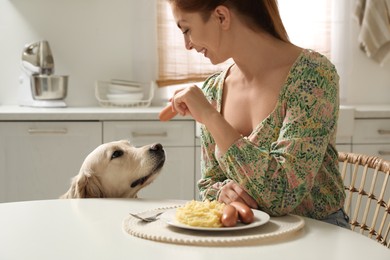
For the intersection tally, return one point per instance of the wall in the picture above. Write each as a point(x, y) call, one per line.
point(101, 39)
point(89, 39)
point(367, 82)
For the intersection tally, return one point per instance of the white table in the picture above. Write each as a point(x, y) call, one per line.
point(92, 229)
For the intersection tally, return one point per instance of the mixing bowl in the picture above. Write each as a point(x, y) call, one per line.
point(49, 87)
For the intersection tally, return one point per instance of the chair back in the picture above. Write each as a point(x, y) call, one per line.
point(367, 185)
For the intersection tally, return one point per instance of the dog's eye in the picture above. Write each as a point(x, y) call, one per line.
point(116, 154)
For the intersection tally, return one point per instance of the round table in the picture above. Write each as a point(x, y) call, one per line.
point(92, 229)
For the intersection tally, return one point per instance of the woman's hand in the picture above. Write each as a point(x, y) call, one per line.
point(233, 192)
point(191, 101)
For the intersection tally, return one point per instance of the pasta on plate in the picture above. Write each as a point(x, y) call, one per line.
point(201, 213)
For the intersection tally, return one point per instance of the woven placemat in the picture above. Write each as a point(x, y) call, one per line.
point(159, 230)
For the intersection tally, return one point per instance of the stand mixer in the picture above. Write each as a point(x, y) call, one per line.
point(38, 86)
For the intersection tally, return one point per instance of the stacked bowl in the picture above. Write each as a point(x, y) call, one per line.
point(122, 92)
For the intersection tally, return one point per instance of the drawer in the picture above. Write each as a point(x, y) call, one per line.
point(382, 151)
point(372, 131)
point(173, 133)
point(344, 147)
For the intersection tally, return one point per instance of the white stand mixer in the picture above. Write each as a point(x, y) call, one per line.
point(38, 87)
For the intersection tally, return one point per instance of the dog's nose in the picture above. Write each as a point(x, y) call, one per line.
point(156, 147)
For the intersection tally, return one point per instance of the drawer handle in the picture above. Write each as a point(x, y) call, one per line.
point(384, 153)
point(47, 131)
point(138, 134)
point(383, 132)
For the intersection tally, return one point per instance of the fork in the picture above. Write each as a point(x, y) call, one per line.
point(148, 218)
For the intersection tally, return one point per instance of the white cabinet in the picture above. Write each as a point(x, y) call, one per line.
point(344, 148)
point(177, 178)
point(38, 159)
point(372, 137)
point(198, 174)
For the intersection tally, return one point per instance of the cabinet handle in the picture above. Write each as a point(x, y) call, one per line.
point(384, 153)
point(138, 134)
point(33, 131)
point(383, 132)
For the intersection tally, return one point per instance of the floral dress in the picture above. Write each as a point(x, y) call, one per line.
point(288, 164)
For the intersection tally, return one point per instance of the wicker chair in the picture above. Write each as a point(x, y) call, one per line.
point(367, 185)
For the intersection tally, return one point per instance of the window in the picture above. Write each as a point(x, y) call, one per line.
point(310, 24)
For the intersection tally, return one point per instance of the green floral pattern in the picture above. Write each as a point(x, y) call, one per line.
point(289, 162)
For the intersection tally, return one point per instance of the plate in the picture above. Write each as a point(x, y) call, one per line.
point(136, 96)
point(276, 228)
point(125, 99)
point(260, 218)
point(123, 89)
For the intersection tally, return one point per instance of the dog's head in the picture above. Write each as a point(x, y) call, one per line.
point(117, 170)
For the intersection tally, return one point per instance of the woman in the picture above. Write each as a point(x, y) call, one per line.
point(269, 120)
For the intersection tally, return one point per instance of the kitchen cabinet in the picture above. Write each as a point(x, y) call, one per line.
point(344, 147)
point(197, 171)
point(38, 159)
point(372, 137)
point(177, 178)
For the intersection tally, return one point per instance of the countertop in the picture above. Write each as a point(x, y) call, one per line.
point(18, 113)
point(372, 111)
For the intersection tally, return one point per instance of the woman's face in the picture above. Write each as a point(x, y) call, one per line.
point(204, 37)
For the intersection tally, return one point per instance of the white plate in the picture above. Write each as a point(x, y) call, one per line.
point(260, 219)
point(125, 99)
point(125, 82)
point(123, 89)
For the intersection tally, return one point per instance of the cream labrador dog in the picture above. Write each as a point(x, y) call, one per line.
point(117, 170)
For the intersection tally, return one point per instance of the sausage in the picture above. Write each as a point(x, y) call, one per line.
point(245, 213)
point(167, 113)
point(229, 216)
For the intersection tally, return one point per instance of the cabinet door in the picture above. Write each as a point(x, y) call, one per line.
point(176, 180)
point(372, 131)
point(38, 159)
point(172, 134)
point(198, 174)
point(380, 150)
point(344, 148)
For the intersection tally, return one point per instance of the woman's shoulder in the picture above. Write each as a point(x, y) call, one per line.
point(313, 59)
point(314, 65)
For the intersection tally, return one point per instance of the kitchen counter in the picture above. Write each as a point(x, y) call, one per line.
point(372, 111)
point(18, 113)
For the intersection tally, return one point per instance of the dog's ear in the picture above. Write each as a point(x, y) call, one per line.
point(92, 187)
point(84, 185)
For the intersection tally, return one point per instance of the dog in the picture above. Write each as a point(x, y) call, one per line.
point(117, 170)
